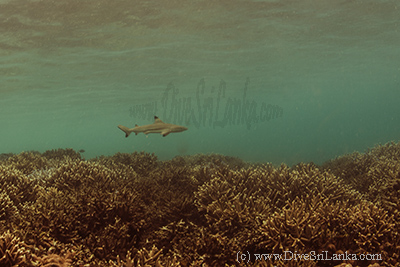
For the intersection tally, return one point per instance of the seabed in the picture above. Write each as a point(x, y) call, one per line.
point(58, 209)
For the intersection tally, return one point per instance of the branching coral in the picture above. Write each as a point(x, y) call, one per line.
point(146, 258)
point(297, 226)
point(8, 211)
point(377, 175)
point(27, 162)
point(233, 201)
point(132, 210)
point(196, 245)
point(86, 203)
point(5, 156)
point(373, 229)
point(141, 163)
point(355, 168)
point(210, 160)
point(60, 154)
point(53, 260)
point(12, 251)
point(238, 198)
point(316, 225)
point(16, 185)
point(285, 184)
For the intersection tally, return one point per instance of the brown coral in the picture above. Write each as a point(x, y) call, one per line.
point(12, 251)
point(87, 204)
point(17, 185)
point(145, 258)
point(53, 260)
point(140, 162)
point(132, 210)
point(60, 154)
point(27, 162)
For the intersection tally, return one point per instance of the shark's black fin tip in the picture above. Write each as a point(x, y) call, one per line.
point(155, 117)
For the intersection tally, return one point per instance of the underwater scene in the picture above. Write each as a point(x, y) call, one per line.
point(199, 133)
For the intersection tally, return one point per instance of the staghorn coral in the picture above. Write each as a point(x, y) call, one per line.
point(169, 193)
point(296, 227)
point(209, 160)
point(17, 185)
point(376, 174)
point(27, 162)
point(351, 168)
point(288, 263)
point(60, 154)
point(12, 251)
point(196, 245)
point(317, 225)
point(198, 210)
point(145, 258)
point(8, 211)
point(5, 156)
point(234, 199)
point(385, 187)
point(87, 204)
point(305, 180)
point(373, 230)
point(237, 205)
point(354, 169)
point(53, 260)
point(389, 150)
point(141, 163)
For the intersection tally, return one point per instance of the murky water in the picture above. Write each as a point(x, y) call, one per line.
point(71, 71)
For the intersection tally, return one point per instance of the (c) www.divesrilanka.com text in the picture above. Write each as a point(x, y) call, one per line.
point(314, 256)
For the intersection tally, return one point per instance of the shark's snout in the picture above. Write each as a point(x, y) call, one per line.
point(179, 129)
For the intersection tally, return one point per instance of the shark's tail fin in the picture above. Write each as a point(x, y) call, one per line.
point(125, 129)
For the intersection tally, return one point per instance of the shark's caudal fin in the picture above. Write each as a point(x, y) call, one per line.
point(125, 129)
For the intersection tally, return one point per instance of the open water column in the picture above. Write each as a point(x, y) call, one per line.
point(267, 133)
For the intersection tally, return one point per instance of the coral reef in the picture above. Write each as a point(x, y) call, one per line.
point(85, 203)
point(210, 160)
point(27, 162)
point(53, 260)
point(138, 162)
point(17, 185)
point(145, 258)
point(60, 154)
point(4, 156)
point(58, 209)
point(12, 250)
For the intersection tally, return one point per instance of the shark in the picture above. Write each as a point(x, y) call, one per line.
point(157, 127)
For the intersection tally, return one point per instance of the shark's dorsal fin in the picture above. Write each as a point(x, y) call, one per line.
point(157, 120)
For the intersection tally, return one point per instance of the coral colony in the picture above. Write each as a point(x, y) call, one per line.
point(57, 209)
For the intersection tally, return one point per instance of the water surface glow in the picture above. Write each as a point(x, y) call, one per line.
point(71, 70)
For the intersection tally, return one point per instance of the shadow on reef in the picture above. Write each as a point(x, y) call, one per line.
point(57, 209)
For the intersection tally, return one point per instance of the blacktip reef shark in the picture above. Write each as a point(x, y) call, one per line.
point(157, 127)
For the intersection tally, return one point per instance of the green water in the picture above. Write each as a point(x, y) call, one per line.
point(71, 71)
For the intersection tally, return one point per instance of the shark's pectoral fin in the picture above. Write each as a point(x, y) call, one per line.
point(165, 133)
